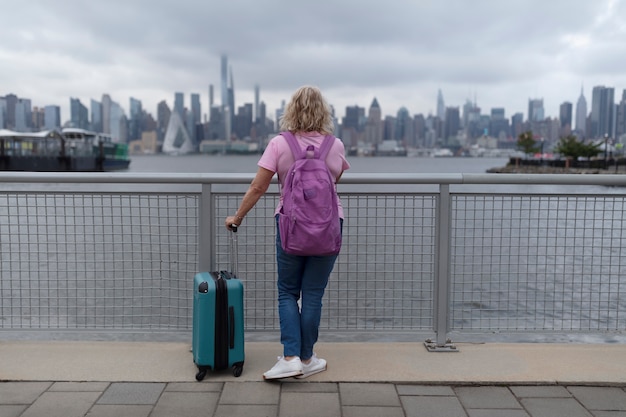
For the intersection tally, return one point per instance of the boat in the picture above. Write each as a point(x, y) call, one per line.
point(68, 149)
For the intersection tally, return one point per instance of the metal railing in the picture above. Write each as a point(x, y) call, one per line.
point(424, 256)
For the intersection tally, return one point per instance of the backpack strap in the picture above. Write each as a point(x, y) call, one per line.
point(293, 144)
point(329, 140)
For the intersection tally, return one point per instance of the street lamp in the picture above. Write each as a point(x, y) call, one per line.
point(542, 140)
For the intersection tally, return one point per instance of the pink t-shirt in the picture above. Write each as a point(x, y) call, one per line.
point(278, 157)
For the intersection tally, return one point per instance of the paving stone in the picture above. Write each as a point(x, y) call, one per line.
point(487, 397)
point(11, 410)
point(232, 410)
point(21, 392)
point(119, 410)
point(609, 413)
point(497, 413)
point(428, 390)
point(137, 393)
point(415, 406)
point(540, 392)
point(310, 404)
point(194, 387)
point(356, 411)
point(600, 398)
point(369, 394)
point(554, 407)
point(250, 393)
point(62, 404)
point(186, 404)
point(311, 387)
point(79, 386)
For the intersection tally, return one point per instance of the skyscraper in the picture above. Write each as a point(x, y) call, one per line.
point(136, 117)
point(374, 126)
point(565, 118)
point(224, 80)
point(620, 118)
point(602, 112)
point(179, 104)
point(452, 124)
point(535, 110)
point(256, 103)
point(79, 115)
point(106, 113)
point(52, 117)
point(441, 107)
point(96, 116)
point(3, 112)
point(581, 115)
point(194, 118)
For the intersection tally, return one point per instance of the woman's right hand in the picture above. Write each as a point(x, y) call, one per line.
point(232, 221)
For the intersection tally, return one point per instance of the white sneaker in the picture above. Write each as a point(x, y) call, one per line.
point(316, 365)
point(284, 369)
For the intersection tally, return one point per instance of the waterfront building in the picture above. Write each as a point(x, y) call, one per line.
point(106, 113)
point(3, 112)
point(96, 116)
point(451, 126)
point(498, 124)
point(565, 117)
point(52, 117)
point(163, 119)
point(10, 101)
point(517, 125)
point(177, 140)
point(23, 115)
point(79, 115)
point(194, 119)
point(602, 112)
point(135, 125)
point(620, 121)
point(179, 104)
point(581, 115)
point(441, 107)
point(374, 125)
point(535, 110)
point(404, 128)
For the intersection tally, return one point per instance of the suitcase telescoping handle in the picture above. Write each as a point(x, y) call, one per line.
point(233, 251)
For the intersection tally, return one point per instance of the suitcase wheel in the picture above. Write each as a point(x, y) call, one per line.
point(201, 373)
point(237, 370)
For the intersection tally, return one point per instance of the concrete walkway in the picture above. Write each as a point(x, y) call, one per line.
point(363, 379)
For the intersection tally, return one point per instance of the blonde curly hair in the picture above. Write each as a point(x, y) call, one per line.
point(308, 111)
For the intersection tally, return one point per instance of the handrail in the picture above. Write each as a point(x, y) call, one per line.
point(374, 178)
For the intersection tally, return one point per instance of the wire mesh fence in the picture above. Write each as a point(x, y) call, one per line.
point(124, 260)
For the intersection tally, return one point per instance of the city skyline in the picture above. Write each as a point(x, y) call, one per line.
point(502, 54)
point(180, 100)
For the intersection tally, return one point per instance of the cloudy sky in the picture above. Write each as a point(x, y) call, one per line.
point(400, 51)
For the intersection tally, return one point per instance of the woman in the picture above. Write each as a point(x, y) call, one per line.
point(309, 118)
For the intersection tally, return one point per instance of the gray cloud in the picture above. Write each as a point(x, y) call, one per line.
point(401, 51)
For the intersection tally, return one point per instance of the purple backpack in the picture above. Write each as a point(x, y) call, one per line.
point(309, 218)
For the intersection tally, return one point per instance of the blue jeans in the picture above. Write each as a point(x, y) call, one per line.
point(306, 277)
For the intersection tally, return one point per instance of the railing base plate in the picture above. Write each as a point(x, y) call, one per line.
point(434, 347)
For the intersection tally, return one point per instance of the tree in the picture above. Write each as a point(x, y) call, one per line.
point(571, 147)
point(527, 143)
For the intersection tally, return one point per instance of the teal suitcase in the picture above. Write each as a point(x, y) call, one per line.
point(218, 322)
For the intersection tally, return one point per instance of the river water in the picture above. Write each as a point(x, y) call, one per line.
point(247, 163)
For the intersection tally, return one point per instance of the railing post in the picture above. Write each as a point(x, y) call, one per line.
point(206, 244)
point(442, 275)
